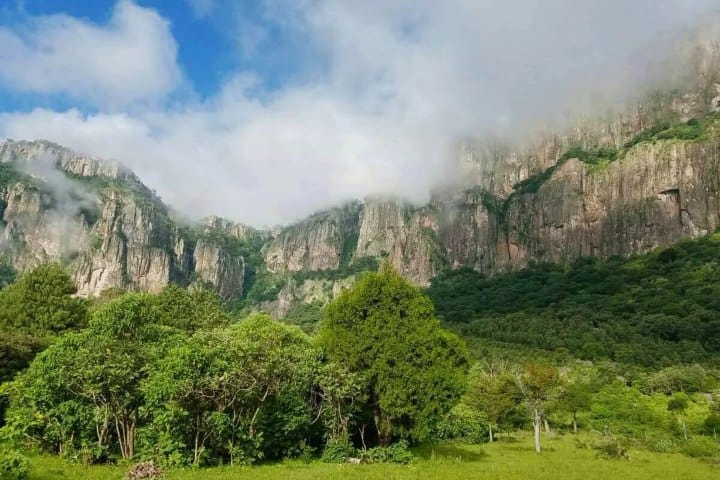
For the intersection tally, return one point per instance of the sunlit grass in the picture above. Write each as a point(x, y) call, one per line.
point(561, 460)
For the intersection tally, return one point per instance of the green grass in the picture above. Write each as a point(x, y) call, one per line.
point(504, 460)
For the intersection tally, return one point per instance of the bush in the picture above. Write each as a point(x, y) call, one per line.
point(396, 453)
point(663, 445)
point(462, 423)
point(698, 447)
point(13, 466)
point(338, 451)
point(612, 448)
point(711, 425)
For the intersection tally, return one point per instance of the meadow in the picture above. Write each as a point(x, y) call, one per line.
point(564, 458)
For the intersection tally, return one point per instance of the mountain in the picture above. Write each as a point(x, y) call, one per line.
point(112, 231)
point(611, 184)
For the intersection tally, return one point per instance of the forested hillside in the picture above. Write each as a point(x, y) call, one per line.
point(651, 310)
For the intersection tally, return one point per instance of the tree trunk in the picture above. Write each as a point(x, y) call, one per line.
point(537, 423)
point(575, 423)
point(491, 432)
point(682, 422)
point(384, 428)
point(198, 446)
point(547, 425)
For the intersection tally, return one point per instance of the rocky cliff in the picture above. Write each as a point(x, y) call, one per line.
point(100, 220)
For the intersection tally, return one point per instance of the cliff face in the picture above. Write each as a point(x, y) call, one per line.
point(403, 234)
point(100, 220)
point(320, 242)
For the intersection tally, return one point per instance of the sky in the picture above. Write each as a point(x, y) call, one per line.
point(264, 111)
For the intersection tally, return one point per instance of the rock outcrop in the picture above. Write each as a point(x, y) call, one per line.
point(321, 242)
point(100, 220)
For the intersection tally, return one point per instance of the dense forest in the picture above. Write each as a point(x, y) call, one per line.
point(652, 310)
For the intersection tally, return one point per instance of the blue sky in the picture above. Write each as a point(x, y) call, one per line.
point(208, 34)
point(264, 111)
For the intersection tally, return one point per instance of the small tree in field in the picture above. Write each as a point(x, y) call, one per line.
point(576, 394)
point(413, 371)
point(536, 384)
point(677, 404)
point(491, 390)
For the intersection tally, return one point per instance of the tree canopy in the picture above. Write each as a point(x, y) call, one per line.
point(414, 371)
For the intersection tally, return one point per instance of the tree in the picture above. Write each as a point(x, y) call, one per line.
point(575, 395)
point(384, 329)
point(217, 391)
point(33, 310)
point(677, 404)
point(491, 391)
point(536, 383)
point(41, 302)
point(340, 399)
point(86, 386)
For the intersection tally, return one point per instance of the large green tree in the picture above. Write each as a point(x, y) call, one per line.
point(85, 388)
point(414, 371)
point(33, 310)
point(41, 302)
point(237, 393)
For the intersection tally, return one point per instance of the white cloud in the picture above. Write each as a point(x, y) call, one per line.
point(400, 83)
point(130, 59)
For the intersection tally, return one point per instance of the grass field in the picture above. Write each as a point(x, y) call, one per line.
point(500, 461)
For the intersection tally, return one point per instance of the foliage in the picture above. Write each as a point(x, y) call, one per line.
point(13, 465)
point(265, 287)
point(307, 316)
point(711, 425)
point(492, 390)
point(398, 452)
point(41, 302)
point(190, 310)
point(657, 309)
point(341, 398)
point(576, 392)
point(338, 450)
point(463, 423)
point(33, 310)
point(698, 447)
point(384, 329)
point(354, 267)
point(612, 448)
point(236, 393)
point(85, 388)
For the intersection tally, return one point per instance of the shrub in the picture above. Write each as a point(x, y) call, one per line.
point(711, 425)
point(697, 447)
point(338, 451)
point(13, 466)
point(612, 448)
point(462, 423)
point(396, 453)
point(663, 445)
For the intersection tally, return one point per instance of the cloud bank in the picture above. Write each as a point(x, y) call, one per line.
point(391, 87)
